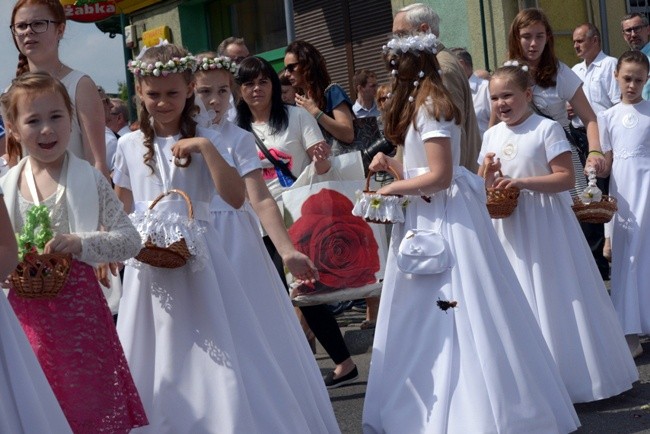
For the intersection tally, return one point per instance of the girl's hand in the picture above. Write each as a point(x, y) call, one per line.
point(301, 267)
point(388, 188)
point(102, 270)
point(380, 163)
point(308, 104)
point(489, 167)
point(184, 147)
point(64, 243)
point(599, 164)
point(506, 182)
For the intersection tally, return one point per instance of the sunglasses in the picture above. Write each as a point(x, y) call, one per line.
point(382, 98)
point(291, 67)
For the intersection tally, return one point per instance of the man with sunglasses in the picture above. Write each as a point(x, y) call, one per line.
point(637, 34)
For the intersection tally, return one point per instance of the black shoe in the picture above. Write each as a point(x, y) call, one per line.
point(332, 383)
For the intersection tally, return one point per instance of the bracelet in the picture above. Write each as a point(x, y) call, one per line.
point(319, 114)
point(596, 152)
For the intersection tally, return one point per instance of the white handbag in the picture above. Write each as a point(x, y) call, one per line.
point(423, 251)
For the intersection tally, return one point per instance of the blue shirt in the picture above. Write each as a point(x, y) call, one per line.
point(362, 112)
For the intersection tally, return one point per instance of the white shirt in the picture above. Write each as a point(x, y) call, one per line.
point(124, 130)
point(362, 112)
point(481, 99)
point(111, 146)
point(598, 84)
point(552, 100)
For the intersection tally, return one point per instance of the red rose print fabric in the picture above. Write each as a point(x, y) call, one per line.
point(342, 246)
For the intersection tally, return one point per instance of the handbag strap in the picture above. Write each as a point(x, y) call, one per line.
point(277, 163)
point(417, 215)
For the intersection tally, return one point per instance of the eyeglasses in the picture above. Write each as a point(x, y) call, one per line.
point(38, 26)
point(382, 98)
point(291, 67)
point(635, 29)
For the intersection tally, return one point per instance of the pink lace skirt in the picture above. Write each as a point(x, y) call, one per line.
point(76, 343)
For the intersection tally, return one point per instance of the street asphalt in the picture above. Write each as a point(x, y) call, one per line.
point(626, 413)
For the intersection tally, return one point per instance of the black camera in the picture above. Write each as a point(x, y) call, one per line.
point(382, 144)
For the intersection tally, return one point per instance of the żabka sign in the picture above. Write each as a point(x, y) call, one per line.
point(88, 11)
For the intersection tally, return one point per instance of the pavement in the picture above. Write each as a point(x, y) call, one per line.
point(626, 413)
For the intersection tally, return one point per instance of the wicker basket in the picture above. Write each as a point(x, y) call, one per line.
point(369, 196)
point(595, 212)
point(176, 254)
point(501, 202)
point(41, 276)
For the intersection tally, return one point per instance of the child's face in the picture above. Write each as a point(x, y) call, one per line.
point(288, 94)
point(509, 101)
point(631, 78)
point(213, 87)
point(164, 98)
point(43, 126)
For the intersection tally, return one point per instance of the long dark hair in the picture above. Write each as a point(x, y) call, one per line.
point(313, 68)
point(250, 69)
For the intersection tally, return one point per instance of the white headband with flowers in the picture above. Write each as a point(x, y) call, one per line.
point(157, 69)
point(219, 62)
point(413, 43)
point(515, 64)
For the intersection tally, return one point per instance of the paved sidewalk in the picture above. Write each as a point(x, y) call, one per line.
point(627, 413)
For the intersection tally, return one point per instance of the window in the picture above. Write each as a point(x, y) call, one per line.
point(260, 22)
point(639, 7)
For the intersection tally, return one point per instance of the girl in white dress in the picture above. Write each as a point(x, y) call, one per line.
point(28, 405)
point(545, 247)
point(198, 353)
point(239, 229)
point(624, 130)
point(458, 351)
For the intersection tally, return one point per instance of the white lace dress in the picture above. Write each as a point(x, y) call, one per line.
point(200, 355)
point(624, 129)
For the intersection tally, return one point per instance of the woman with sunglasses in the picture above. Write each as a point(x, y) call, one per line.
point(37, 27)
point(326, 102)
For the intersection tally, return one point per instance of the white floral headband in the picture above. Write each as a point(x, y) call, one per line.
point(413, 43)
point(157, 69)
point(515, 64)
point(219, 62)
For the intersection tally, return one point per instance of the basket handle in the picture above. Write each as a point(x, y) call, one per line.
point(190, 208)
point(370, 173)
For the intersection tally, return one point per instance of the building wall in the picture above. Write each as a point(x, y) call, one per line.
point(162, 14)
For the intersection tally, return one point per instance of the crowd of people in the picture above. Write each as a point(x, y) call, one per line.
point(509, 321)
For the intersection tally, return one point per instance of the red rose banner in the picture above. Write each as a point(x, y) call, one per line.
point(348, 252)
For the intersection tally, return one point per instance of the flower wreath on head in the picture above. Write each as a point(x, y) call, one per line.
point(158, 69)
point(413, 43)
point(219, 62)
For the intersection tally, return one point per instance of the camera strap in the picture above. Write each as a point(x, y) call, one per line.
point(281, 165)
